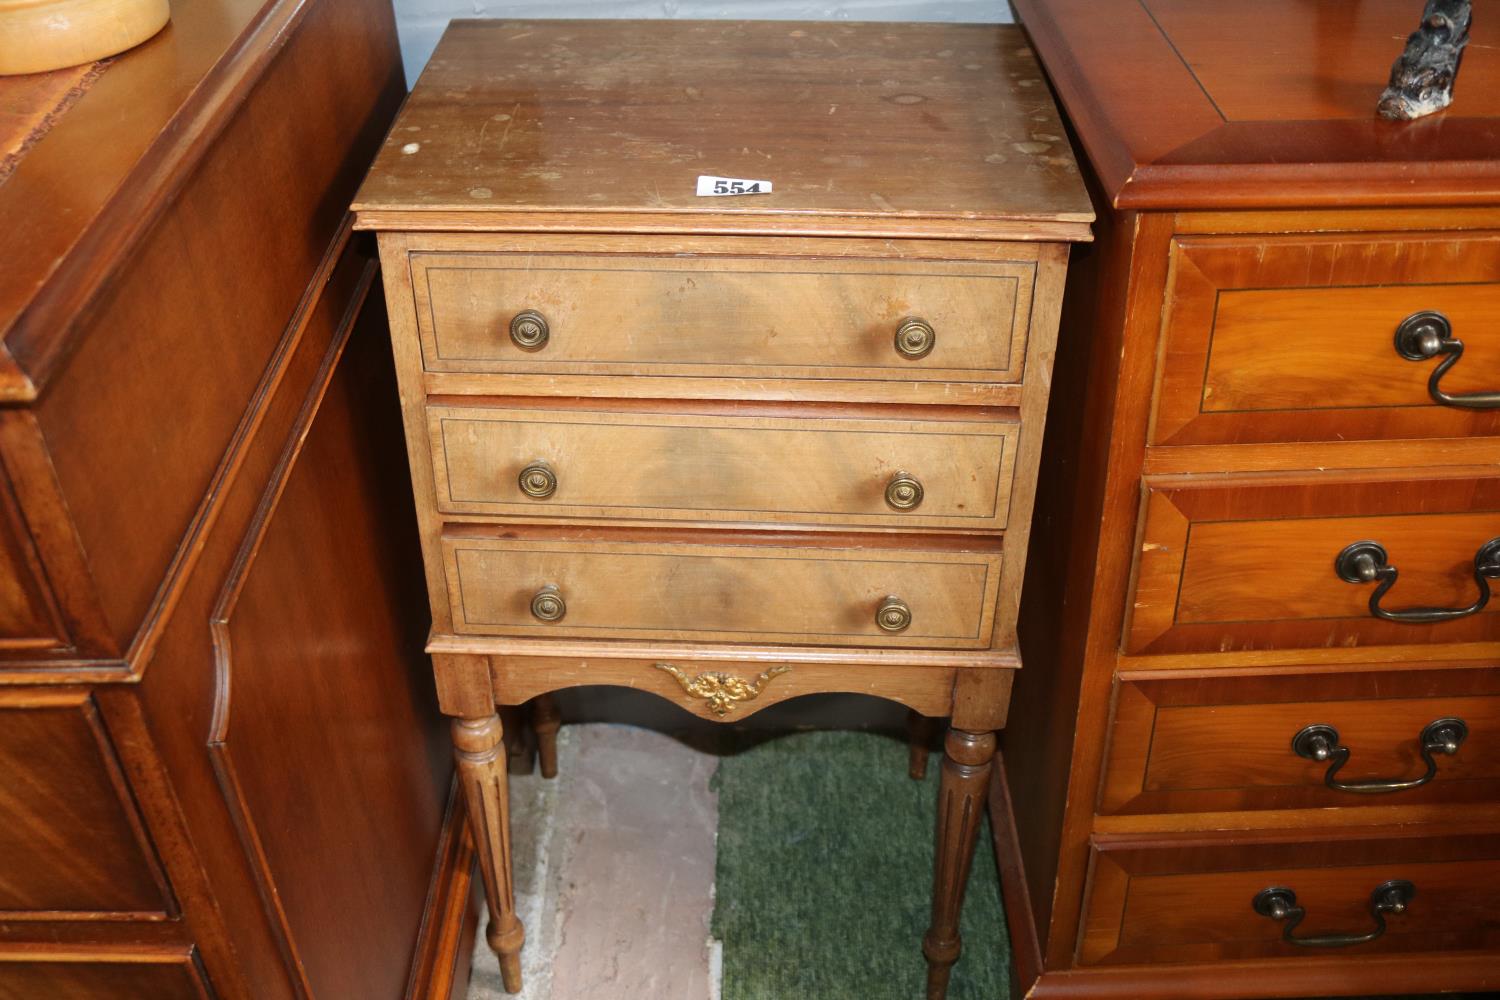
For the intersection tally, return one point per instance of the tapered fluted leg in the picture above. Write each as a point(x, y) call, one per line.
point(961, 796)
point(546, 721)
point(479, 747)
point(919, 737)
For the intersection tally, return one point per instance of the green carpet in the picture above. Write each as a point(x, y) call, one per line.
point(825, 875)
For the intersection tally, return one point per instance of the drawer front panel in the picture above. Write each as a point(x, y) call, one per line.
point(1180, 901)
point(729, 317)
point(692, 592)
point(699, 467)
point(1225, 744)
point(72, 843)
point(1226, 565)
point(107, 975)
point(29, 617)
point(1270, 339)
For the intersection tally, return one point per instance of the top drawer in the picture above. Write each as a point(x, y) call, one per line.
point(1295, 339)
point(722, 317)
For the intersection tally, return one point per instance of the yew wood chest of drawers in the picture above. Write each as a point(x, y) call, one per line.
point(1254, 751)
point(729, 450)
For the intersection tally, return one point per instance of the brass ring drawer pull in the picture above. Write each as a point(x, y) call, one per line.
point(915, 338)
point(904, 492)
point(893, 615)
point(548, 604)
point(529, 330)
point(537, 480)
point(1280, 904)
point(1367, 562)
point(1321, 743)
point(1423, 336)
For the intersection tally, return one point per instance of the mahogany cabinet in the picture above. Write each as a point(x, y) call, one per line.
point(221, 768)
point(1252, 751)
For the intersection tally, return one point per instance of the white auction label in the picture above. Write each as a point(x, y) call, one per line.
point(716, 187)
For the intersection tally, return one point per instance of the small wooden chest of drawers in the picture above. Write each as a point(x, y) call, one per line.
point(1254, 748)
point(727, 450)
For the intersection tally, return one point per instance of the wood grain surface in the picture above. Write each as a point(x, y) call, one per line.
point(889, 127)
point(924, 688)
point(1224, 744)
point(665, 465)
point(1185, 900)
point(1231, 335)
point(1251, 566)
point(1293, 338)
point(180, 285)
point(1222, 105)
point(754, 317)
point(74, 842)
point(702, 592)
point(161, 976)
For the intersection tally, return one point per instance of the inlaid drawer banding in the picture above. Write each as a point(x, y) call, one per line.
point(692, 591)
point(1167, 899)
point(908, 471)
point(1338, 337)
point(620, 314)
point(1304, 741)
point(1238, 563)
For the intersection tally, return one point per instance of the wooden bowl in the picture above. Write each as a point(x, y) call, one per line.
point(38, 35)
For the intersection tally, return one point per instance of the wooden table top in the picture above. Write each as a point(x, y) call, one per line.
point(863, 129)
point(31, 104)
point(1199, 104)
point(83, 190)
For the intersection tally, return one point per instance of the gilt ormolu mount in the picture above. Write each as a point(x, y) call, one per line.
point(1422, 78)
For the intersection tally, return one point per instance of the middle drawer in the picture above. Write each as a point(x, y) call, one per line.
point(646, 465)
point(1369, 558)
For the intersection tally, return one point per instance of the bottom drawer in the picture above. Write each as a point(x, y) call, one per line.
point(813, 592)
point(1194, 899)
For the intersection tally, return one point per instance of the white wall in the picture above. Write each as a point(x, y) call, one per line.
point(422, 21)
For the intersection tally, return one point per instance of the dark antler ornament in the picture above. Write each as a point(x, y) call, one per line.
point(1422, 78)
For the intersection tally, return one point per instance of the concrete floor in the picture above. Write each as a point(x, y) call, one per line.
point(614, 858)
point(614, 863)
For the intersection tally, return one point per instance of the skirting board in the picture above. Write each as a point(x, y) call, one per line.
point(444, 951)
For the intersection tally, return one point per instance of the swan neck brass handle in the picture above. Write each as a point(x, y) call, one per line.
point(547, 605)
point(904, 492)
point(529, 330)
point(1280, 904)
point(1321, 743)
point(1425, 335)
point(893, 615)
point(537, 480)
point(915, 338)
point(1367, 562)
